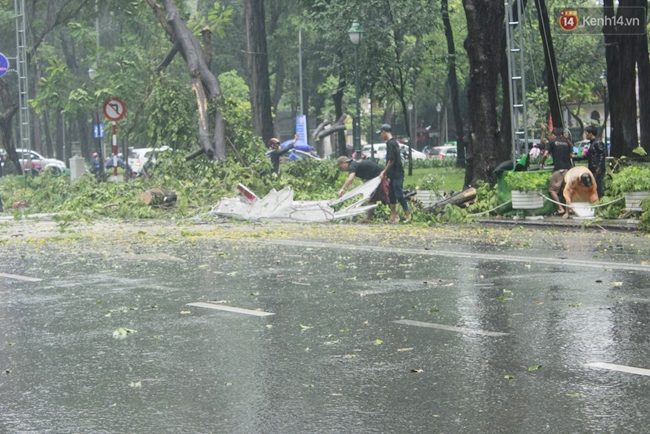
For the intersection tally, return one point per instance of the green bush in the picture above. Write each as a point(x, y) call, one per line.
point(631, 179)
point(527, 180)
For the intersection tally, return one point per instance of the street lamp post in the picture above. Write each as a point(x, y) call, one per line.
point(372, 130)
point(438, 109)
point(603, 81)
point(356, 34)
point(446, 126)
point(92, 73)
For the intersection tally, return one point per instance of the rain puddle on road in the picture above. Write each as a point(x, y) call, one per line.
point(361, 339)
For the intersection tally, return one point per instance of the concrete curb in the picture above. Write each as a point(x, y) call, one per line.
point(558, 222)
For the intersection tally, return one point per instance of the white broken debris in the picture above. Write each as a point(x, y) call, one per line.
point(280, 206)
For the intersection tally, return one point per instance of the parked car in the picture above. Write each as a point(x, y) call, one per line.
point(140, 156)
point(39, 163)
point(443, 152)
point(415, 154)
point(380, 152)
point(366, 151)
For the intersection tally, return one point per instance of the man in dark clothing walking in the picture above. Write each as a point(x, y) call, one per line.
point(394, 170)
point(596, 158)
point(275, 152)
point(366, 170)
point(562, 152)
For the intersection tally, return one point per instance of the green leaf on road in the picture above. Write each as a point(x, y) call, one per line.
point(122, 333)
point(575, 395)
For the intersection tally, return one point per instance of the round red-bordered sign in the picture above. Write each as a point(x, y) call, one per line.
point(114, 109)
point(568, 19)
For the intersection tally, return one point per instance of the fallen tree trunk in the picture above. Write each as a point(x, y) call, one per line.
point(459, 199)
point(194, 154)
point(319, 128)
point(330, 131)
point(337, 126)
point(158, 197)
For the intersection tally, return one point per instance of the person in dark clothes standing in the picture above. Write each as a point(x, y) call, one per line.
point(275, 152)
point(365, 170)
point(394, 171)
point(596, 158)
point(561, 150)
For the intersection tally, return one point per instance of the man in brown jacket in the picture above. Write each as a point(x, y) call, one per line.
point(579, 186)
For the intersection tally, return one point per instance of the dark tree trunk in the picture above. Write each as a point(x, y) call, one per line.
point(620, 52)
point(88, 143)
point(549, 74)
point(61, 138)
point(452, 79)
point(279, 84)
point(258, 69)
point(37, 130)
point(47, 133)
point(504, 148)
point(483, 46)
point(6, 121)
point(337, 96)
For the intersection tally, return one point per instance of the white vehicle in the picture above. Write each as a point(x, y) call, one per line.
point(443, 152)
point(140, 156)
point(415, 154)
point(37, 159)
point(380, 151)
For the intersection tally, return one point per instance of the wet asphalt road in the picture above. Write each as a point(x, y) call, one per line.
point(477, 334)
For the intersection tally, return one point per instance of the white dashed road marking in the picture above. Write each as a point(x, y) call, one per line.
point(620, 368)
point(230, 308)
point(17, 277)
point(463, 330)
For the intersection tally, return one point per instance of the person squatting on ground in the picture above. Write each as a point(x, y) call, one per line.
point(562, 152)
point(365, 170)
point(596, 158)
point(579, 186)
point(394, 171)
point(275, 152)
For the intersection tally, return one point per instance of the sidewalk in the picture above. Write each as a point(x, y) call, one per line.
point(559, 222)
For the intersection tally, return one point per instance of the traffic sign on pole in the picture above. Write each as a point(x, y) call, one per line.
point(4, 64)
point(98, 130)
point(114, 109)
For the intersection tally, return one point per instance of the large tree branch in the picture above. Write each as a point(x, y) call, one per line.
point(168, 59)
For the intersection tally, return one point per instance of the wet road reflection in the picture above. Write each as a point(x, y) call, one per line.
point(361, 340)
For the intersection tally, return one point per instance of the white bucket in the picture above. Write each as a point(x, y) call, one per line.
point(584, 210)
